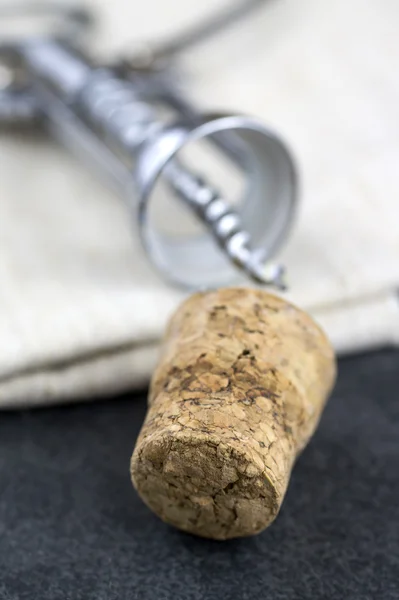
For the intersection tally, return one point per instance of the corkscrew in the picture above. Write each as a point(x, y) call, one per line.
point(243, 375)
point(132, 122)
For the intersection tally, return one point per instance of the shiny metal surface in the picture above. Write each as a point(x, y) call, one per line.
point(114, 123)
point(249, 234)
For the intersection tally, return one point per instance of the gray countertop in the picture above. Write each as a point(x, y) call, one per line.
point(71, 526)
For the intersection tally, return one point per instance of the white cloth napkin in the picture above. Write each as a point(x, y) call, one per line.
point(81, 313)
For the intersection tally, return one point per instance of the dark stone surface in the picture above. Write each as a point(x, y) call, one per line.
point(71, 526)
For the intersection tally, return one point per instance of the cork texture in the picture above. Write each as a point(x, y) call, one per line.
point(238, 392)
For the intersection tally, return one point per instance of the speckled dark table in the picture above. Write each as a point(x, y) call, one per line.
point(71, 526)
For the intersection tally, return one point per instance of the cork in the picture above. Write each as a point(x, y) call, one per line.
point(237, 394)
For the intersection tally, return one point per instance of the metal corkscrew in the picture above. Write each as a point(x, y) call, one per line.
point(113, 117)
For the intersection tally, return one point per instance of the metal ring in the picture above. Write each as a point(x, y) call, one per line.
point(267, 210)
point(74, 20)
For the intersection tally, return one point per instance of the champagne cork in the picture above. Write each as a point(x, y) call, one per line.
point(239, 390)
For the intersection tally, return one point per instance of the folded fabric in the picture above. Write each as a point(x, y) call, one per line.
point(81, 310)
